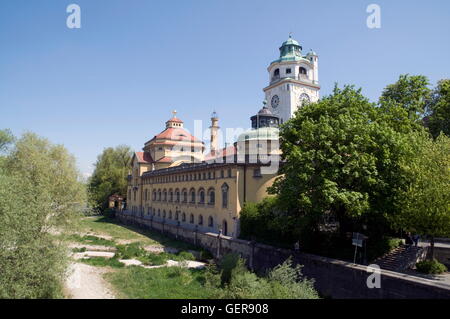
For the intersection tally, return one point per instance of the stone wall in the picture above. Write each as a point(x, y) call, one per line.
point(442, 254)
point(333, 278)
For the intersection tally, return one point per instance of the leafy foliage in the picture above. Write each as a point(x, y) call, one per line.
point(423, 203)
point(430, 267)
point(40, 190)
point(410, 92)
point(109, 177)
point(342, 159)
point(236, 282)
point(438, 119)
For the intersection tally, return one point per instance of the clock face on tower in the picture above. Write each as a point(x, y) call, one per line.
point(275, 101)
point(304, 98)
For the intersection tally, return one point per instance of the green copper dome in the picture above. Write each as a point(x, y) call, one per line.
point(290, 50)
point(290, 41)
point(263, 133)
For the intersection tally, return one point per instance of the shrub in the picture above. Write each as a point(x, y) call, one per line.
point(185, 255)
point(431, 267)
point(153, 259)
point(237, 282)
point(129, 251)
point(205, 255)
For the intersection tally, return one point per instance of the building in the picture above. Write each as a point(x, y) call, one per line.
point(293, 79)
point(173, 181)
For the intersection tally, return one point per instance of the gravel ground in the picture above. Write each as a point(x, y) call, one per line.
point(86, 282)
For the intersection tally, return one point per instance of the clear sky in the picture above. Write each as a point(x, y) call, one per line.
point(115, 80)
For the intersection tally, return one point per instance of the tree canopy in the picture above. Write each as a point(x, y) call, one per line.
point(342, 158)
point(424, 202)
point(40, 191)
point(438, 110)
point(411, 92)
point(110, 173)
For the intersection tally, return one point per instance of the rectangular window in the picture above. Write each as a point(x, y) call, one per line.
point(288, 71)
point(257, 172)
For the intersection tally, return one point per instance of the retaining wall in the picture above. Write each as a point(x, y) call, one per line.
point(333, 278)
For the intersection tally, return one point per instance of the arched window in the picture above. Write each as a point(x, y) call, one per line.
point(183, 217)
point(210, 221)
point(185, 195)
point(154, 195)
point(193, 195)
point(225, 189)
point(224, 227)
point(170, 195)
point(302, 70)
point(200, 219)
point(164, 214)
point(159, 213)
point(276, 73)
point(177, 195)
point(211, 196)
point(170, 214)
point(177, 216)
point(191, 218)
point(159, 194)
point(165, 195)
point(201, 195)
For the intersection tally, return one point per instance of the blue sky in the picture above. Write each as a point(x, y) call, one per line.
point(115, 80)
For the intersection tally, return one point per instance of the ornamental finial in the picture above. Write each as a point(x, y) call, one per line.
point(174, 112)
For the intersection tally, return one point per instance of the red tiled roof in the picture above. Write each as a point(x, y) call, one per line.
point(165, 159)
point(144, 157)
point(224, 152)
point(175, 119)
point(176, 134)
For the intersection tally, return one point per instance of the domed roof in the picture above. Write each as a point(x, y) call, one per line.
point(290, 41)
point(265, 110)
point(263, 133)
point(311, 52)
point(290, 50)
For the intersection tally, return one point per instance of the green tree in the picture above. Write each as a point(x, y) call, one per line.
point(423, 204)
point(410, 92)
point(110, 173)
point(6, 138)
point(342, 158)
point(39, 192)
point(438, 110)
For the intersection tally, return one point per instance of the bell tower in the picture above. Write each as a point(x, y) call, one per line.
point(293, 80)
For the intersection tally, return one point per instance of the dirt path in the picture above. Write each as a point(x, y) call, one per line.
point(86, 282)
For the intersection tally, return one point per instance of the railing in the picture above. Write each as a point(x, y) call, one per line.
point(300, 77)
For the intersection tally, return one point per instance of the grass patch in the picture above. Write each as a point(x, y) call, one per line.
point(91, 240)
point(109, 226)
point(135, 250)
point(79, 250)
point(160, 283)
point(103, 262)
